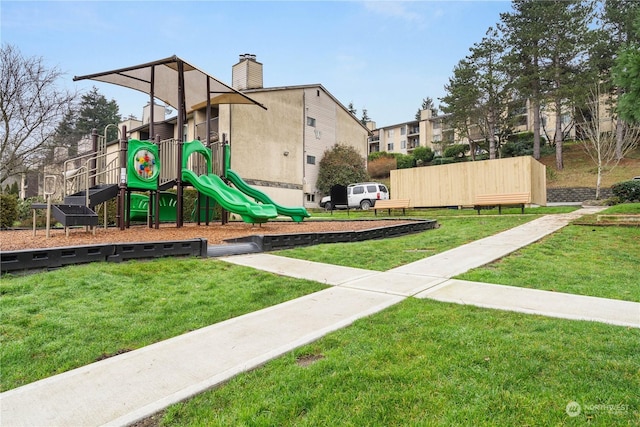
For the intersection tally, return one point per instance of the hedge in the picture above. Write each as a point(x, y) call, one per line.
point(627, 191)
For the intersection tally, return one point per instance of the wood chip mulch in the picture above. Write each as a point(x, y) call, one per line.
point(215, 233)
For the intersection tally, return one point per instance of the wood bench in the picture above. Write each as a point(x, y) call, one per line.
point(507, 199)
point(391, 204)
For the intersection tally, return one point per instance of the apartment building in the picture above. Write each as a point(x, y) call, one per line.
point(434, 131)
point(277, 149)
point(430, 131)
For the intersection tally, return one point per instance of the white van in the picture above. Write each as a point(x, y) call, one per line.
point(362, 195)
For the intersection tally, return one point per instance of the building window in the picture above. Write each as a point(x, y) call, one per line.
point(390, 146)
point(403, 130)
point(390, 133)
point(403, 144)
point(311, 121)
point(311, 160)
point(311, 197)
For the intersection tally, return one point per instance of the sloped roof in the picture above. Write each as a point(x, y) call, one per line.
point(162, 78)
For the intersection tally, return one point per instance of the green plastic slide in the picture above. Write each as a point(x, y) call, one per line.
point(297, 214)
point(230, 199)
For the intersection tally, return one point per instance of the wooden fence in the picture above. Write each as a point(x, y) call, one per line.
point(457, 184)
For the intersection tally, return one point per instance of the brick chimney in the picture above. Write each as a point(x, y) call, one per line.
point(247, 73)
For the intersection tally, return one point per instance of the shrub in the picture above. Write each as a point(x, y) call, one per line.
point(341, 164)
point(111, 212)
point(405, 161)
point(380, 155)
point(456, 150)
point(423, 155)
point(24, 207)
point(8, 210)
point(190, 200)
point(627, 191)
point(25, 213)
point(443, 161)
point(521, 144)
point(381, 167)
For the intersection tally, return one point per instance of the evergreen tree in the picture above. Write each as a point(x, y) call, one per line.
point(95, 112)
point(365, 117)
point(462, 99)
point(487, 59)
point(626, 75)
point(427, 104)
point(616, 35)
point(524, 29)
point(566, 41)
point(66, 134)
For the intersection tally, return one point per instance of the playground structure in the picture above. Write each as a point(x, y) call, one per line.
point(156, 166)
point(143, 175)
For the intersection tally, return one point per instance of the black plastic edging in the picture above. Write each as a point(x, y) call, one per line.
point(273, 242)
point(49, 258)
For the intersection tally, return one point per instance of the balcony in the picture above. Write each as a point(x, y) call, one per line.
point(414, 130)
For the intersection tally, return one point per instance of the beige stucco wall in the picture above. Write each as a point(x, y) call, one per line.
point(351, 133)
point(260, 138)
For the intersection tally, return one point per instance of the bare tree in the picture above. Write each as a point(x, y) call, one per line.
point(31, 108)
point(601, 141)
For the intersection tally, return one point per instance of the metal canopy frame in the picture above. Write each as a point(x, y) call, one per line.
point(180, 85)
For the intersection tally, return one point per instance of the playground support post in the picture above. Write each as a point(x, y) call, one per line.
point(122, 186)
point(156, 199)
point(181, 114)
point(92, 164)
point(224, 215)
point(208, 130)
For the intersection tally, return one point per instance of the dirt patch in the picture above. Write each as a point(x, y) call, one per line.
point(308, 359)
point(215, 233)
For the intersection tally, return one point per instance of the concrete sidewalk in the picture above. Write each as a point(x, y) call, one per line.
point(126, 388)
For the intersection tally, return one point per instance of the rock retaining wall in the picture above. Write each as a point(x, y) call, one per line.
point(575, 194)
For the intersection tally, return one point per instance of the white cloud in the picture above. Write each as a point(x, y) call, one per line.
point(393, 9)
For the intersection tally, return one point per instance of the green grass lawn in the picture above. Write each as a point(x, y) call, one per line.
point(382, 255)
point(420, 362)
point(623, 208)
point(60, 320)
point(432, 213)
point(583, 260)
point(579, 259)
point(428, 363)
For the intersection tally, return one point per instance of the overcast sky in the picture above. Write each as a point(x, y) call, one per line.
point(383, 56)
